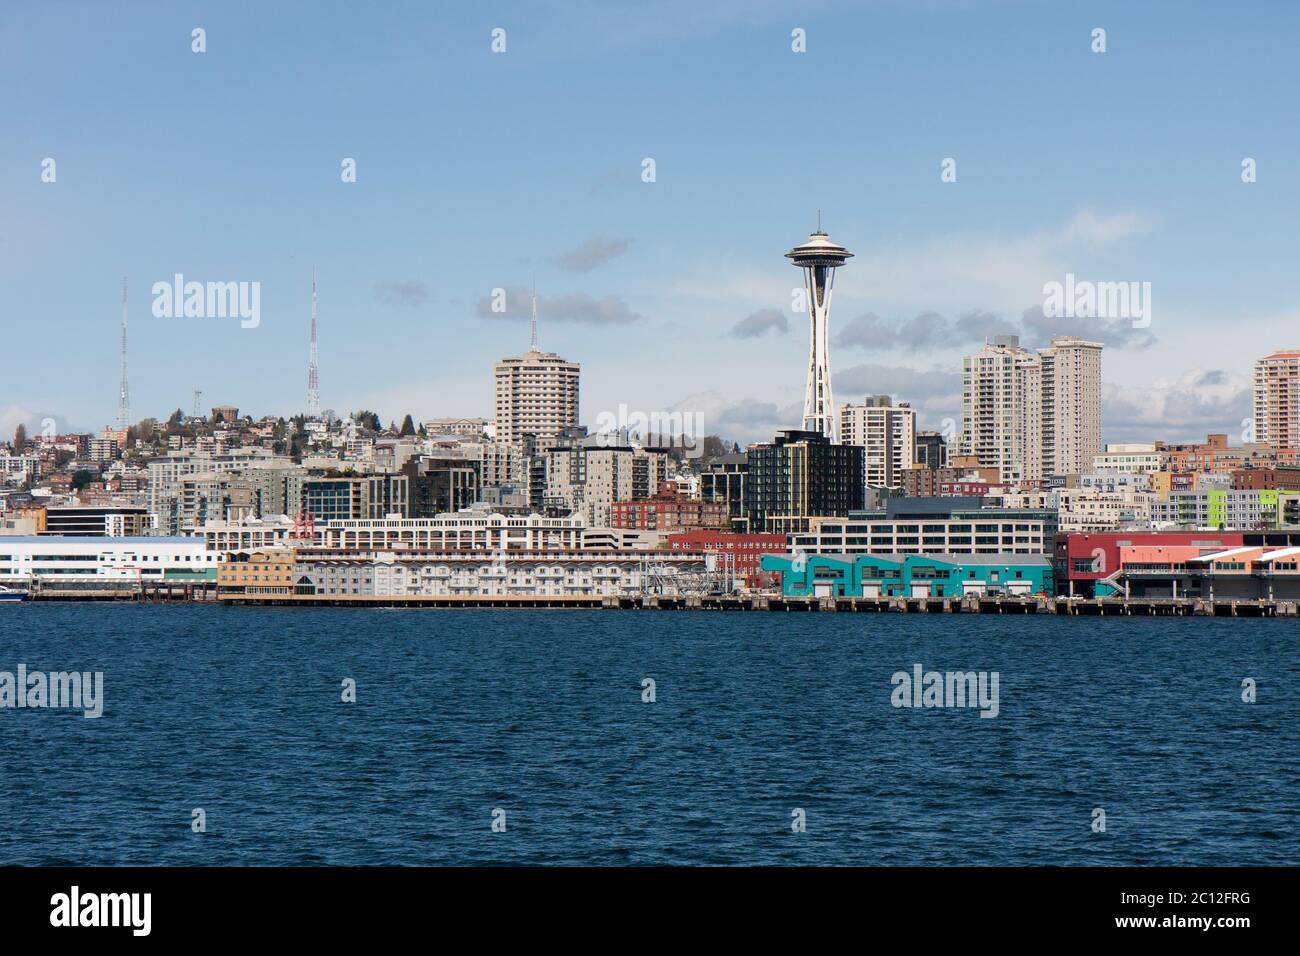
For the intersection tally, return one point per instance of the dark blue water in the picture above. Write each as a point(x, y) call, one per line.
point(238, 711)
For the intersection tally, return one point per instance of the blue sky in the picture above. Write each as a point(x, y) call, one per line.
point(478, 171)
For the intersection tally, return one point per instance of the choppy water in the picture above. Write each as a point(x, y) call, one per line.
point(238, 711)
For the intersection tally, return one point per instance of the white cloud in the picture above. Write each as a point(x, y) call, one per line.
point(1186, 408)
point(34, 421)
point(988, 271)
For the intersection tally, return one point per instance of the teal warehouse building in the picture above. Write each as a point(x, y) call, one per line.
point(911, 575)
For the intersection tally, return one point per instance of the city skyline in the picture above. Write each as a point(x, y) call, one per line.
point(681, 267)
point(448, 435)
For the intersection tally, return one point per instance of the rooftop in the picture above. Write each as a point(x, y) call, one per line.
point(101, 539)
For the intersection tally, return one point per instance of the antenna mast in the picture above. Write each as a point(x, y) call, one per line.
point(534, 314)
point(313, 387)
point(123, 397)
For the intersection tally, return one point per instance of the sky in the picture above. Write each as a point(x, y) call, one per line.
point(479, 170)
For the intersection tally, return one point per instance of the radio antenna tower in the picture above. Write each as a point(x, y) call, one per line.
point(198, 398)
point(313, 387)
point(123, 398)
point(534, 348)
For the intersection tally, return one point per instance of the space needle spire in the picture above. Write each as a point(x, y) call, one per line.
point(818, 258)
point(123, 395)
point(313, 386)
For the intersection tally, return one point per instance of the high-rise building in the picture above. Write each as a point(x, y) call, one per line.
point(818, 258)
point(1071, 406)
point(724, 480)
point(931, 450)
point(887, 434)
point(441, 484)
point(536, 394)
point(351, 497)
point(588, 475)
point(1029, 414)
point(1277, 399)
point(993, 405)
point(800, 475)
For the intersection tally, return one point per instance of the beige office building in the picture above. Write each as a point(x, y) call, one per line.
point(887, 434)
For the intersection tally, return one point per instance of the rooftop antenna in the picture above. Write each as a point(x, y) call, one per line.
point(313, 387)
point(534, 313)
point(123, 399)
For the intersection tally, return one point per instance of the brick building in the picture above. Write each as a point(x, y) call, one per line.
point(746, 549)
point(669, 511)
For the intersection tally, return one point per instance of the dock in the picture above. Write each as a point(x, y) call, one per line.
point(1094, 607)
point(1116, 606)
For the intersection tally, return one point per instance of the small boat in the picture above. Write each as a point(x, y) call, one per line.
point(11, 594)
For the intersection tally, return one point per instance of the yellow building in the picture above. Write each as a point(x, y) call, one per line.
point(263, 571)
point(1161, 484)
point(24, 521)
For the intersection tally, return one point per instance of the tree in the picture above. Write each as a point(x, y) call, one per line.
point(408, 427)
point(20, 438)
point(367, 419)
point(82, 477)
point(175, 423)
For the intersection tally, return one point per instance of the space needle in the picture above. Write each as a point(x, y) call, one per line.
point(819, 258)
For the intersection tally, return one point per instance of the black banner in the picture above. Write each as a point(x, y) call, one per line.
point(334, 905)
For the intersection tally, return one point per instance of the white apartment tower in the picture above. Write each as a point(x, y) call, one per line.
point(1071, 406)
point(536, 394)
point(993, 406)
point(1033, 414)
point(1277, 399)
point(887, 432)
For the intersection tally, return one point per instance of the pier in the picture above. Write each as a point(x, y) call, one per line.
point(1092, 607)
point(1116, 606)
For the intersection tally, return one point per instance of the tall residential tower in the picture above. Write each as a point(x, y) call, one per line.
point(536, 394)
point(887, 434)
point(1033, 415)
point(1277, 399)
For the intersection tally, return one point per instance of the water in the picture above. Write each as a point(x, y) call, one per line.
point(237, 711)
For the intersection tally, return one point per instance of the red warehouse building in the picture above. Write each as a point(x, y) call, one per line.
point(1082, 560)
point(746, 550)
